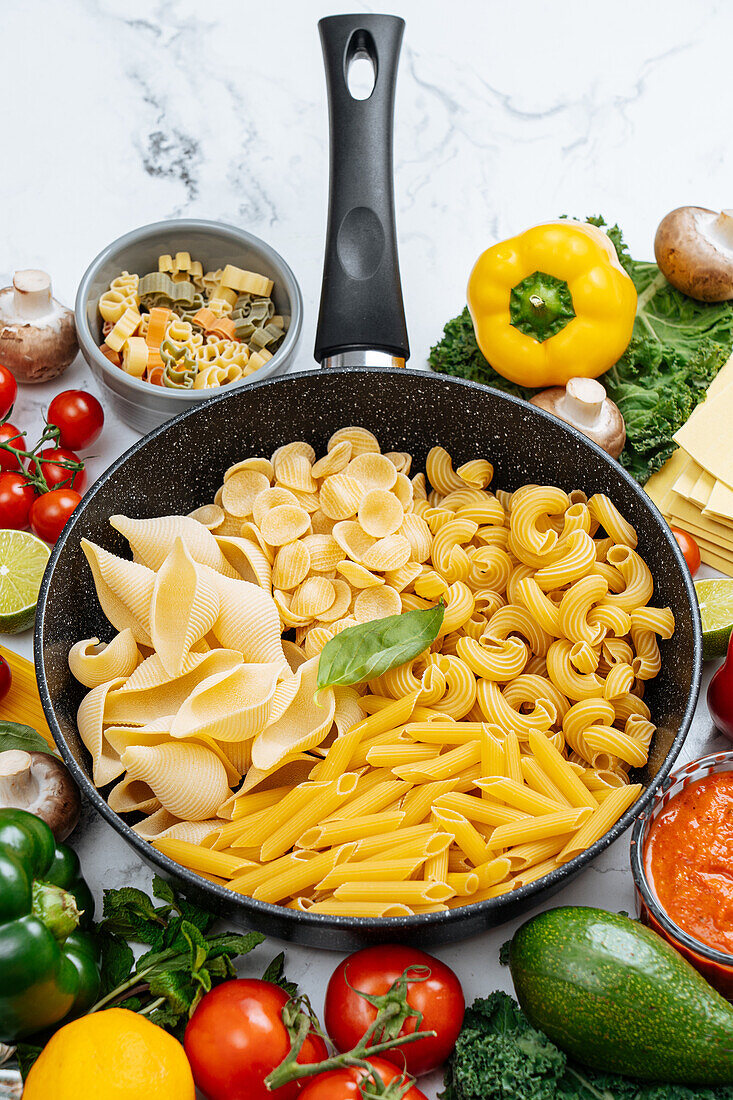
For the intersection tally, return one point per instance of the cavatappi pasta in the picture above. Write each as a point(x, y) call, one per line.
point(186, 328)
point(494, 757)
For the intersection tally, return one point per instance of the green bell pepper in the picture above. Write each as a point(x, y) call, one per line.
point(49, 966)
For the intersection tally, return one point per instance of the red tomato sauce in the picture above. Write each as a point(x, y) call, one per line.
point(689, 858)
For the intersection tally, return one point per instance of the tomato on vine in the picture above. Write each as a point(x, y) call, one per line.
point(377, 977)
point(344, 1084)
point(61, 468)
point(8, 391)
point(50, 511)
point(16, 498)
point(79, 418)
point(12, 435)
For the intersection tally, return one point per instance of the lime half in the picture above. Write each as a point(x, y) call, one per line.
point(23, 558)
point(715, 598)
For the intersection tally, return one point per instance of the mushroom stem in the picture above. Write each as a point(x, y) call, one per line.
point(582, 402)
point(17, 785)
point(32, 294)
point(721, 231)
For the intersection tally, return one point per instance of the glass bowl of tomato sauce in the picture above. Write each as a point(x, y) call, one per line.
point(682, 863)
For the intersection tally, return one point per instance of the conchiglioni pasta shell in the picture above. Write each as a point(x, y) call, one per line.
point(92, 664)
point(248, 558)
point(147, 703)
point(184, 607)
point(124, 590)
point(132, 795)
point(380, 513)
point(164, 824)
point(289, 772)
point(293, 654)
point(248, 621)
point(189, 780)
point(373, 471)
point(250, 530)
point(303, 724)
point(229, 706)
point(152, 539)
point(291, 565)
point(106, 764)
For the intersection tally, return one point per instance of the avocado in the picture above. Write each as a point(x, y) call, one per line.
point(620, 999)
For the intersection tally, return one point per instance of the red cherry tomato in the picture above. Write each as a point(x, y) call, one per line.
point(236, 1037)
point(343, 1084)
point(50, 511)
point(16, 498)
point(56, 475)
point(690, 549)
point(6, 677)
point(10, 434)
point(78, 416)
point(373, 971)
point(8, 391)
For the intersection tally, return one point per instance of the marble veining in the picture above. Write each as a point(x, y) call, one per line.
point(118, 115)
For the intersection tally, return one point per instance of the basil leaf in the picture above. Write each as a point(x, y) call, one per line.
point(15, 736)
point(362, 652)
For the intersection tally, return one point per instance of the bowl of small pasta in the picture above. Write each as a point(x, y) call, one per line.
point(175, 311)
point(389, 657)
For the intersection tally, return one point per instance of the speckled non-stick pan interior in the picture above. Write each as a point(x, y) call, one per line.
point(181, 465)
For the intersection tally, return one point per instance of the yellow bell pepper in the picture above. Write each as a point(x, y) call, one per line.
point(552, 304)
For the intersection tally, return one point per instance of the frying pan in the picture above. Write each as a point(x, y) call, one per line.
point(362, 337)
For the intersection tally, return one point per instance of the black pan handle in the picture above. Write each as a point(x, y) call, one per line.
point(362, 316)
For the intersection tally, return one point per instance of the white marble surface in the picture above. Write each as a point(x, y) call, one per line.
point(121, 114)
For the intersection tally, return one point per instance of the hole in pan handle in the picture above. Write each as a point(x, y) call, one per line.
point(362, 317)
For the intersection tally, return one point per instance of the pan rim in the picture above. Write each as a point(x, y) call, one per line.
point(370, 925)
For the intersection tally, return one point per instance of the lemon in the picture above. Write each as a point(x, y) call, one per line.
point(23, 558)
point(715, 598)
point(111, 1055)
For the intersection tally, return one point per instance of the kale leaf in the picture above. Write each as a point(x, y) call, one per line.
point(677, 348)
point(500, 1056)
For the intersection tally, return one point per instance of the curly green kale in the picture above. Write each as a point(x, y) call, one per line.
point(500, 1056)
point(677, 348)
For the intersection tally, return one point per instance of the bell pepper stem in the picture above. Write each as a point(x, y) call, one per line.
point(56, 908)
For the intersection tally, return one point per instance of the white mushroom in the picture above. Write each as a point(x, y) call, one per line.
point(583, 403)
point(37, 334)
point(694, 250)
point(40, 783)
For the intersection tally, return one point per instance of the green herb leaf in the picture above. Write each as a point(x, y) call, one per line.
point(275, 973)
point(130, 913)
point(116, 963)
point(13, 735)
point(233, 943)
point(177, 988)
point(164, 891)
point(362, 652)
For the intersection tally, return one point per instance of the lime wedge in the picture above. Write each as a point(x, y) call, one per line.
point(715, 598)
point(23, 558)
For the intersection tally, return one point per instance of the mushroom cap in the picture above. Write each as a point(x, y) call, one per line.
point(36, 352)
point(42, 784)
point(583, 403)
point(694, 250)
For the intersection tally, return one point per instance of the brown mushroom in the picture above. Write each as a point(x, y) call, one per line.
point(40, 783)
point(694, 250)
point(583, 403)
point(37, 334)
